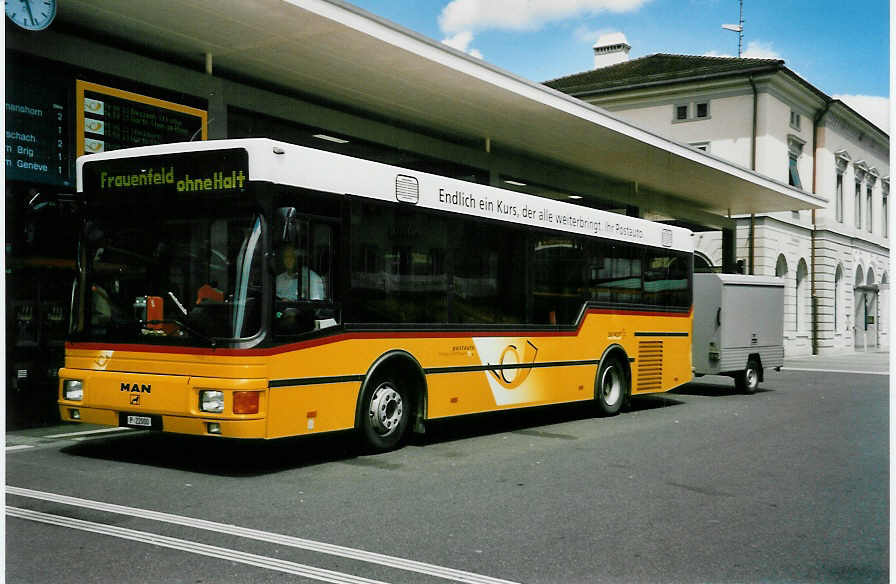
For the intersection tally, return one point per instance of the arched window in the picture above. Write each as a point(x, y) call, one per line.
point(781, 266)
point(781, 272)
point(884, 305)
point(838, 299)
point(869, 281)
point(859, 301)
point(802, 296)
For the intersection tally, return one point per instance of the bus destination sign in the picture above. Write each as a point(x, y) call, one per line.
point(221, 171)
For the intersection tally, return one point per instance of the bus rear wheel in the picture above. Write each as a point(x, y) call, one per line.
point(385, 412)
point(611, 387)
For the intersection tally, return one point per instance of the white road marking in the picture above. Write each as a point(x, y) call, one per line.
point(835, 371)
point(279, 539)
point(89, 432)
point(193, 547)
point(19, 447)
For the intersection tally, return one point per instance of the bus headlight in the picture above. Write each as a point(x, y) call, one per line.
point(73, 389)
point(211, 400)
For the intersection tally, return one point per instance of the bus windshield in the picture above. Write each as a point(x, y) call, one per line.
point(186, 278)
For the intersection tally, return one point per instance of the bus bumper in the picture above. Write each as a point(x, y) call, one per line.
point(251, 429)
point(168, 403)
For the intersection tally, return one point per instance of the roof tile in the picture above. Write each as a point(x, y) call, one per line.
point(659, 67)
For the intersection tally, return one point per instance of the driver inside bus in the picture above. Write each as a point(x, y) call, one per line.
point(294, 280)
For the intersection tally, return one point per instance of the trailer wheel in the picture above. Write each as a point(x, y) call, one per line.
point(747, 381)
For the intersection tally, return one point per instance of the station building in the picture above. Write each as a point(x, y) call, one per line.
point(107, 74)
point(759, 114)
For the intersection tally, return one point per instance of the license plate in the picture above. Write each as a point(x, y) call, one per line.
point(140, 421)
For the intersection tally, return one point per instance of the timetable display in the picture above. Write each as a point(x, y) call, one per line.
point(112, 119)
point(38, 122)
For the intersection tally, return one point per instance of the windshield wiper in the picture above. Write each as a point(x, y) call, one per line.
point(178, 303)
point(184, 326)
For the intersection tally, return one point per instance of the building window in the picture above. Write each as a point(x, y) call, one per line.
point(794, 120)
point(794, 151)
point(861, 170)
point(842, 160)
point(838, 299)
point(838, 198)
point(691, 111)
point(868, 199)
point(884, 217)
point(885, 225)
point(858, 205)
point(794, 178)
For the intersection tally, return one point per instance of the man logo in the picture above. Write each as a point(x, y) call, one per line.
point(135, 399)
point(137, 387)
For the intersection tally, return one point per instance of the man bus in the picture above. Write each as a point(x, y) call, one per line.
point(256, 289)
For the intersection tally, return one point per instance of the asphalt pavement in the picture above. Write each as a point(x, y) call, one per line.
point(701, 484)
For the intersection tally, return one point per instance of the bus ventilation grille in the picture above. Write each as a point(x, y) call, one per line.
point(650, 365)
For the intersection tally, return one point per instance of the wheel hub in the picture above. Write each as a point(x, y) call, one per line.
point(386, 409)
point(611, 386)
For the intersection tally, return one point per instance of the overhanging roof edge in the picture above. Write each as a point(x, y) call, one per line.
point(424, 47)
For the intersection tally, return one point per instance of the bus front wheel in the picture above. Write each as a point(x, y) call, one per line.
point(386, 410)
point(611, 386)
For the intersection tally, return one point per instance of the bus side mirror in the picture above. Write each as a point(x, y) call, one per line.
point(62, 203)
point(285, 226)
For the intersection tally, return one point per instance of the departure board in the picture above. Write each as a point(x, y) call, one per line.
point(111, 119)
point(38, 134)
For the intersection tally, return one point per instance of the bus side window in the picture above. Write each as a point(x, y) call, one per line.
point(667, 279)
point(304, 279)
point(559, 268)
point(305, 263)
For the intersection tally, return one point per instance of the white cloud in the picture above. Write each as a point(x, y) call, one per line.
point(760, 50)
point(461, 41)
point(474, 15)
point(599, 36)
point(754, 50)
point(875, 109)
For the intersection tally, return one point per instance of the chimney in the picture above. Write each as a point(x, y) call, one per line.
point(611, 49)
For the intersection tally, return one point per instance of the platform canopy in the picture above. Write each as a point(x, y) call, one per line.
point(341, 54)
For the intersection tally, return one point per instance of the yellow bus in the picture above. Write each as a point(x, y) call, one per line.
point(257, 289)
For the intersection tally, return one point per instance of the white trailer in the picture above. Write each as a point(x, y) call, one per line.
point(738, 327)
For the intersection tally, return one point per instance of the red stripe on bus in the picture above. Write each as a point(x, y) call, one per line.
point(357, 335)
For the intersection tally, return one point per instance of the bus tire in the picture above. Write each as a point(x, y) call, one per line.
point(386, 410)
point(747, 381)
point(611, 388)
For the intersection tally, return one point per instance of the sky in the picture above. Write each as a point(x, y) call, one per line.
point(842, 48)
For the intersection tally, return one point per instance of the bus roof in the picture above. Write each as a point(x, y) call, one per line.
point(288, 164)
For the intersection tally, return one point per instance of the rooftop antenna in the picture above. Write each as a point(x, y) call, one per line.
point(739, 29)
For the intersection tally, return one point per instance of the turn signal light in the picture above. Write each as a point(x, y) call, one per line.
point(245, 402)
